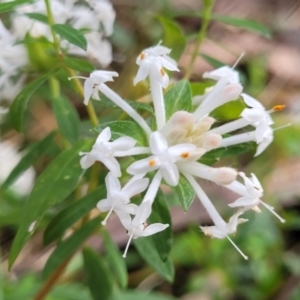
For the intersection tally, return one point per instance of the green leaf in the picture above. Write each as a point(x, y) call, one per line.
point(184, 192)
point(56, 183)
point(8, 6)
point(139, 295)
point(230, 151)
point(173, 37)
point(125, 128)
point(198, 88)
point(36, 150)
point(18, 107)
point(100, 280)
point(71, 214)
point(212, 61)
point(38, 17)
point(69, 246)
point(245, 24)
point(147, 250)
point(161, 214)
point(71, 34)
point(67, 118)
point(115, 260)
point(179, 97)
point(78, 64)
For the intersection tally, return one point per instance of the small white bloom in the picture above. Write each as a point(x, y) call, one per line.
point(103, 151)
point(227, 72)
point(119, 198)
point(163, 158)
point(91, 84)
point(229, 228)
point(251, 194)
point(152, 62)
point(137, 227)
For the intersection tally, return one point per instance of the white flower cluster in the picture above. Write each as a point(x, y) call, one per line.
point(95, 17)
point(176, 146)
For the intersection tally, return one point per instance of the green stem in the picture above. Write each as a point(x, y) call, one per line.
point(208, 6)
point(52, 22)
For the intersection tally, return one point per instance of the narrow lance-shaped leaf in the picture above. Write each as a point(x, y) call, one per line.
point(124, 128)
point(38, 17)
point(99, 278)
point(115, 260)
point(71, 214)
point(19, 105)
point(57, 182)
point(179, 97)
point(36, 151)
point(71, 34)
point(69, 246)
point(184, 192)
point(78, 64)
point(8, 6)
point(67, 118)
point(173, 37)
point(147, 250)
point(161, 214)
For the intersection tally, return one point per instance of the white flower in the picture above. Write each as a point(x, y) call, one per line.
point(229, 228)
point(163, 158)
point(103, 151)
point(119, 198)
point(227, 72)
point(251, 194)
point(137, 227)
point(92, 83)
point(152, 62)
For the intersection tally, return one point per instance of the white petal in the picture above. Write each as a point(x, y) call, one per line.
point(95, 94)
point(158, 143)
point(113, 185)
point(261, 129)
point(256, 181)
point(128, 208)
point(169, 64)
point(263, 146)
point(213, 231)
point(124, 218)
point(170, 173)
point(104, 205)
point(142, 214)
point(144, 166)
point(142, 73)
point(112, 165)
point(252, 102)
point(181, 149)
point(86, 162)
point(252, 115)
point(226, 72)
point(123, 143)
point(104, 136)
point(244, 201)
point(135, 187)
point(88, 90)
point(154, 228)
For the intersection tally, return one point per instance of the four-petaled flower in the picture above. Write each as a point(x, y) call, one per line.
point(103, 151)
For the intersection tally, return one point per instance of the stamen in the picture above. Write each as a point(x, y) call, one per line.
point(237, 248)
point(152, 163)
point(271, 209)
point(127, 246)
point(238, 60)
point(278, 107)
point(185, 155)
point(109, 213)
point(283, 126)
point(162, 71)
point(142, 56)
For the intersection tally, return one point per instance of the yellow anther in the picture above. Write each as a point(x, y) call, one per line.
point(152, 163)
point(185, 155)
point(278, 107)
point(162, 71)
point(142, 56)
